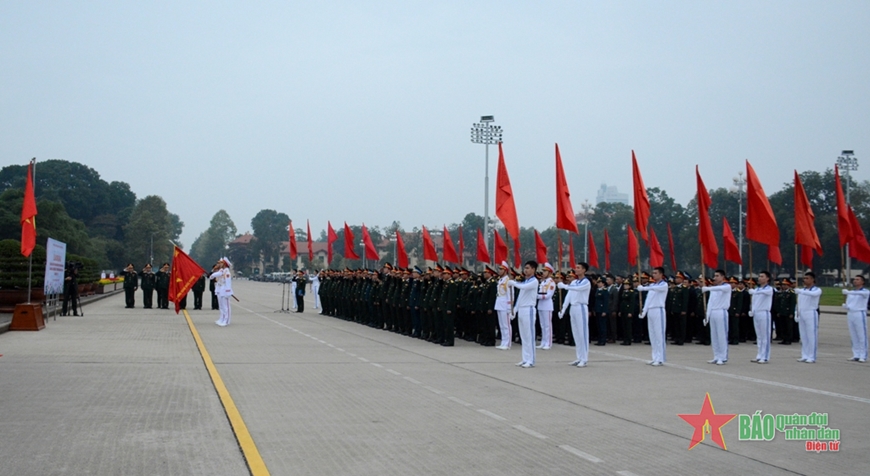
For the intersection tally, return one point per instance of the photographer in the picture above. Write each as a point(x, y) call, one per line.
point(71, 288)
point(131, 284)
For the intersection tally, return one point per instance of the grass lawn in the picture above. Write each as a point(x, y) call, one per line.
point(832, 296)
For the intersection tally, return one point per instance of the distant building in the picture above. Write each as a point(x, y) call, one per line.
point(610, 195)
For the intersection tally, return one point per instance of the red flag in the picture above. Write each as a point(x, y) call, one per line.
point(571, 251)
point(641, 200)
point(370, 250)
point(858, 248)
point(401, 254)
point(183, 275)
point(732, 251)
point(807, 256)
point(844, 225)
point(671, 246)
point(291, 241)
point(565, 219)
point(633, 247)
point(501, 248)
point(606, 250)
point(449, 251)
point(540, 248)
point(461, 246)
point(429, 252)
point(561, 254)
point(760, 222)
point(593, 253)
point(331, 237)
point(804, 218)
point(349, 253)
point(773, 255)
point(505, 209)
point(310, 240)
point(517, 258)
point(709, 248)
point(28, 215)
point(656, 254)
point(482, 252)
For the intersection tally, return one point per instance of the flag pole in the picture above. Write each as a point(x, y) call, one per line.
point(795, 259)
point(750, 260)
point(30, 260)
point(639, 300)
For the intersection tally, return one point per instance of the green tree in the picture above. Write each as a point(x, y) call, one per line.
point(211, 244)
point(270, 229)
point(150, 222)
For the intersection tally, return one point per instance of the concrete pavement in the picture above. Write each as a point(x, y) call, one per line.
point(125, 391)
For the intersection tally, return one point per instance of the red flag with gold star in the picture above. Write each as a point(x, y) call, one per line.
point(28, 215)
point(182, 276)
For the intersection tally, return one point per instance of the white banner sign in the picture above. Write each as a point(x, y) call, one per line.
point(55, 258)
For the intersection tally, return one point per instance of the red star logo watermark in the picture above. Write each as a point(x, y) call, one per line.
point(707, 422)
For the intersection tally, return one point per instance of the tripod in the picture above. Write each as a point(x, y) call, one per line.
point(283, 299)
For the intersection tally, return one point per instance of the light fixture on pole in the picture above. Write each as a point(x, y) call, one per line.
point(485, 132)
point(847, 162)
point(740, 189)
point(586, 231)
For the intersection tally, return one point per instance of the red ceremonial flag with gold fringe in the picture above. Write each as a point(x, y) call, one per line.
point(449, 252)
point(505, 208)
point(641, 200)
point(182, 276)
point(774, 255)
point(706, 238)
point(310, 240)
point(540, 248)
point(565, 219)
point(349, 252)
point(593, 253)
point(331, 237)
point(482, 252)
point(844, 224)
point(401, 254)
point(732, 251)
point(656, 254)
point(291, 241)
point(370, 250)
point(28, 215)
point(429, 252)
point(761, 224)
point(633, 246)
point(501, 248)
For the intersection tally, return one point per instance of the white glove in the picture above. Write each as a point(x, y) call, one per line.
point(642, 315)
point(844, 305)
point(561, 286)
point(706, 321)
point(796, 318)
point(751, 314)
point(845, 292)
point(561, 314)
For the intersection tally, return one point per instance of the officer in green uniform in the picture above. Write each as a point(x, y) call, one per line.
point(447, 305)
point(678, 308)
point(734, 313)
point(198, 290)
point(628, 310)
point(147, 281)
point(131, 284)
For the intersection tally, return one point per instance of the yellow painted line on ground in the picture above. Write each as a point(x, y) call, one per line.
point(246, 442)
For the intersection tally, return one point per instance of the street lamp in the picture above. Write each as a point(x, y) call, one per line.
point(848, 162)
point(151, 254)
point(586, 230)
point(739, 187)
point(485, 132)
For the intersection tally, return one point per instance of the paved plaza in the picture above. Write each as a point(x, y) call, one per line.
point(127, 392)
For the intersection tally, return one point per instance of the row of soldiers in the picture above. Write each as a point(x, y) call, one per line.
point(150, 282)
point(443, 303)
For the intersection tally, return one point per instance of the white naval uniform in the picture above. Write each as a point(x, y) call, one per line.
point(717, 315)
point(315, 288)
point(502, 307)
point(525, 309)
point(856, 304)
point(293, 291)
point(762, 300)
point(223, 289)
point(654, 310)
point(546, 288)
point(578, 299)
point(807, 315)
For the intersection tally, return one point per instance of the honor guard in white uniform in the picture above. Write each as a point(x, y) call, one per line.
point(315, 288)
point(293, 289)
point(525, 311)
point(546, 288)
point(759, 310)
point(578, 299)
point(223, 290)
point(503, 304)
point(856, 305)
point(717, 316)
point(807, 316)
point(654, 309)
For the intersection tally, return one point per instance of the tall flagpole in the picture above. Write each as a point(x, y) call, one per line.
point(30, 260)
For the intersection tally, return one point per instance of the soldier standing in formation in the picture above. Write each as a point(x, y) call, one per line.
point(762, 302)
point(856, 305)
point(131, 284)
point(546, 289)
point(198, 290)
point(147, 281)
point(163, 286)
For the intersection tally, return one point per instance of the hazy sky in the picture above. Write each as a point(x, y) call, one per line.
point(361, 111)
